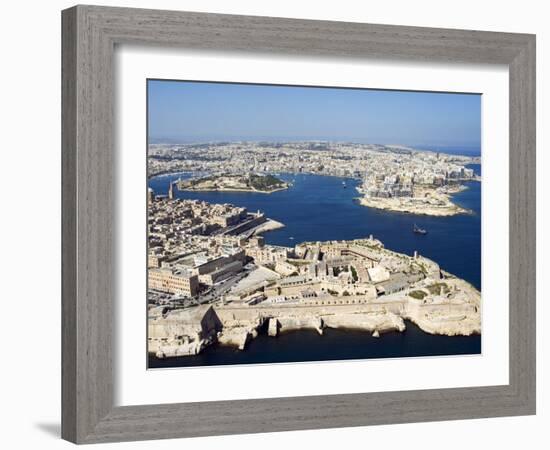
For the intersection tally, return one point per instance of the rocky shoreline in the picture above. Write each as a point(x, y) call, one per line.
point(437, 312)
point(257, 191)
point(239, 335)
point(268, 225)
point(427, 202)
point(398, 206)
point(261, 184)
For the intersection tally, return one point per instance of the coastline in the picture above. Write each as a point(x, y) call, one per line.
point(169, 173)
point(252, 191)
point(305, 346)
point(268, 225)
point(262, 184)
point(441, 329)
point(441, 211)
point(368, 330)
point(238, 332)
point(446, 306)
point(422, 205)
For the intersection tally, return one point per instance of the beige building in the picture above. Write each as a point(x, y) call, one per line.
point(221, 273)
point(154, 260)
point(173, 281)
point(268, 254)
point(285, 269)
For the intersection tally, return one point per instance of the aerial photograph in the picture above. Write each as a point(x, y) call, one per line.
point(292, 224)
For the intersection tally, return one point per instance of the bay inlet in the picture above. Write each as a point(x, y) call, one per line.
point(320, 208)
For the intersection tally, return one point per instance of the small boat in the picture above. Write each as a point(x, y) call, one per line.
point(291, 238)
point(344, 184)
point(419, 230)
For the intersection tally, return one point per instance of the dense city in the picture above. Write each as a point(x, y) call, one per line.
point(213, 279)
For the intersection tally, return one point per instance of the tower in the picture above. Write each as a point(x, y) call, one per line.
point(171, 191)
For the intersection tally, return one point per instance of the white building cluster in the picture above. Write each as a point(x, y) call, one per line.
point(322, 158)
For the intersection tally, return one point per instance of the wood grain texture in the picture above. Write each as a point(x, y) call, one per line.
point(68, 226)
point(89, 36)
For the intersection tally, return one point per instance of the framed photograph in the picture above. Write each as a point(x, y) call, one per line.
point(269, 226)
point(278, 224)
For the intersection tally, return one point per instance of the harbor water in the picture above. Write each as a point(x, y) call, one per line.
point(321, 208)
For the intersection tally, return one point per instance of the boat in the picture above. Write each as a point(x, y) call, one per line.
point(418, 230)
point(344, 184)
point(291, 238)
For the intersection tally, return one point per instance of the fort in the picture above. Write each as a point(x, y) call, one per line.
point(339, 284)
point(429, 200)
point(234, 182)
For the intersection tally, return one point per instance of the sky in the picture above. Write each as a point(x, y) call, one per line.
point(182, 111)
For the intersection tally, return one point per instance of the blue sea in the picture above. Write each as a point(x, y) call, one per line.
point(319, 208)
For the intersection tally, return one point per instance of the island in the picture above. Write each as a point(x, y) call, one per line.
point(419, 183)
point(250, 182)
point(422, 200)
point(214, 281)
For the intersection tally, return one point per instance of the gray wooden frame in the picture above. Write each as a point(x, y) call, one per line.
point(89, 37)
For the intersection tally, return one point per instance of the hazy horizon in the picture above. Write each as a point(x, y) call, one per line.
point(195, 112)
point(268, 139)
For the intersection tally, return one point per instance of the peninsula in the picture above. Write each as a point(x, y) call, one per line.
point(423, 200)
point(214, 281)
point(421, 183)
